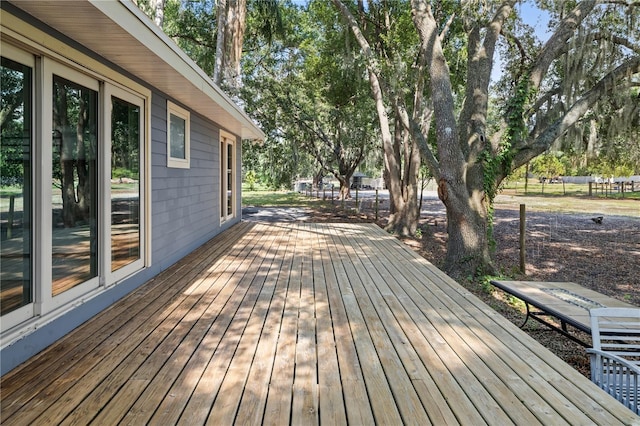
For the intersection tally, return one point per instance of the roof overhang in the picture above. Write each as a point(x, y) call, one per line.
point(119, 32)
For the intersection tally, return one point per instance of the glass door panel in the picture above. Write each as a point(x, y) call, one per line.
point(15, 186)
point(125, 183)
point(74, 185)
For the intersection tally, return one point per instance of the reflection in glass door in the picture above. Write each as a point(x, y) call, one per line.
point(125, 183)
point(15, 186)
point(74, 185)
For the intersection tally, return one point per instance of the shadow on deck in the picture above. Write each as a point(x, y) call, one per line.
point(290, 323)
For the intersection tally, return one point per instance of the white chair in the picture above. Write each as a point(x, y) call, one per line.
point(615, 357)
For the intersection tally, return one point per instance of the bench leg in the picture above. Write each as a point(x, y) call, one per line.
point(528, 315)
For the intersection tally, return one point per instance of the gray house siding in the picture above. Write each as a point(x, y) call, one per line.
point(185, 203)
point(184, 211)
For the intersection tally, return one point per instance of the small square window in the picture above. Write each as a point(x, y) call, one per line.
point(177, 136)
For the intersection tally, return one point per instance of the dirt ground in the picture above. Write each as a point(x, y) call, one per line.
point(563, 243)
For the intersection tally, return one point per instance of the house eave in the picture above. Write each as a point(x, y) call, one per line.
point(119, 32)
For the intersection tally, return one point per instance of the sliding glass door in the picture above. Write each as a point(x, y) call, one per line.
point(74, 195)
point(72, 185)
point(16, 247)
point(125, 187)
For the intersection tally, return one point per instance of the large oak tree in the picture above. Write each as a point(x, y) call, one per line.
point(542, 102)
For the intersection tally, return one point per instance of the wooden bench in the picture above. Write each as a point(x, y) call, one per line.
point(567, 302)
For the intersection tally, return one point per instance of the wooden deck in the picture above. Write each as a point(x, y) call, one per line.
point(302, 324)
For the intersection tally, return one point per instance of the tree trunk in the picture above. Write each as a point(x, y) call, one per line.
point(67, 162)
point(404, 210)
point(221, 22)
point(158, 8)
point(81, 163)
point(461, 175)
point(239, 25)
point(231, 17)
point(345, 187)
point(467, 228)
point(403, 219)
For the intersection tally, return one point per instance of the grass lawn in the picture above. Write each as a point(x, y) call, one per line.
point(535, 188)
point(549, 202)
point(628, 206)
point(278, 199)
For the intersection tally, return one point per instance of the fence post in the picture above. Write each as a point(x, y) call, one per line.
point(357, 208)
point(376, 204)
point(590, 189)
point(332, 199)
point(523, 260)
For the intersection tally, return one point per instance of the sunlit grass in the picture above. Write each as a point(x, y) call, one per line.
point(535, 188)
point(7, 191)
point(572, 204)
point(278, 199)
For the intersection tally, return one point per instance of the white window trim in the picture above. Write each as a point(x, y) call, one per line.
point(227, 139)
point(182, 163)
point(113, 277)
point(47, 302)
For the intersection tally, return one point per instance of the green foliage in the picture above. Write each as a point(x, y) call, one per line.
point(120, 172)
point(418, 233)
point(192, 25)
point(251, 178)
point(307, 91)
point(12, 126)
point(485, 283)
point(548, 165)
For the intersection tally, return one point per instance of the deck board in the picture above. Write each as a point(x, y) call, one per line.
point(293, 323)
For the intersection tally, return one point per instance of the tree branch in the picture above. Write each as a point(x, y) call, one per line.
point(526, 151)
point(557, 43)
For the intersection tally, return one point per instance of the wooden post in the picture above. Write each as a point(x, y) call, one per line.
point(376, 204)
point(523, 257)
point(590, 189)
point(324, 194)
point(332, 199)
